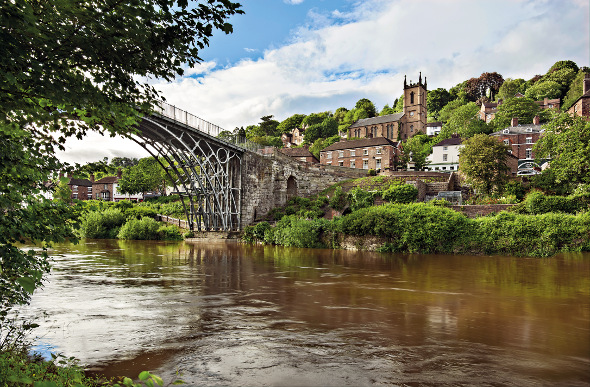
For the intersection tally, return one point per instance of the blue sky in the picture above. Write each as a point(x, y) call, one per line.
point(305, 56)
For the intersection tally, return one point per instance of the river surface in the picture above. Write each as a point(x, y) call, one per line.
point(225, 313)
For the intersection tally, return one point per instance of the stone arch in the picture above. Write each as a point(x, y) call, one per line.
point(291, 187)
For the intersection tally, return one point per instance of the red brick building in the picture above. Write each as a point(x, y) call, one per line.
point(81, 188)
point(378, 153)
point(488, 110)
point(581, 107)
point(295, 138)
point(521, 139)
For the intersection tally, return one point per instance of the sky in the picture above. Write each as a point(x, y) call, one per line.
point(306, 56)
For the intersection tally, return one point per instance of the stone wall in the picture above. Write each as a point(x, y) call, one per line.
point(266, 179)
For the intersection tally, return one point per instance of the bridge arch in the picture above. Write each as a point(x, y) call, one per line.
point(291, 187)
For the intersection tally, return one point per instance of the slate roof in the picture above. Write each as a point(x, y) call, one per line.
point(434, 124)
point(365, 142)
point(450, 141)
point(80, 182)
point(377, 120)
point(107, 180)
point(520, 129)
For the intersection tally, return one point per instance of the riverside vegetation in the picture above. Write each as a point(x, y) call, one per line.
point(539, 225)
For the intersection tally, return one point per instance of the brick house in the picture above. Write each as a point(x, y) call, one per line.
point(81, 188)
point(295, 138)
point(397, 126)
point(301, 154)
point(445, 155)
point(104, 189)
point(378, 153)
point(521, 139)
point(581, 107)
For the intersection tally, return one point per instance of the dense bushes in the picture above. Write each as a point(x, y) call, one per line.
point(400, 193)
point(102, 224)
point(537, 203)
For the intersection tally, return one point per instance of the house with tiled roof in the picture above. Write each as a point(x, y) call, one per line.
point(488, 110)
point(521, 139)
point(300, 154)
point(378, 153)
point(581, 108)
point(81, 188)
point(445, 155)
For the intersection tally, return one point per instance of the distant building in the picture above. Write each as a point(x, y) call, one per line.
point(488, 110)
point(433, 128)
point(445, 155)
point(295, 138)
point(81, 188)
point(581, 108)
point(521, 139)
point(300, 154)
point(397, 126)
point(378, 153)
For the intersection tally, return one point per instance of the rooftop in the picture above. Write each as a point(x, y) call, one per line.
point(377, 120)
point(365, 142)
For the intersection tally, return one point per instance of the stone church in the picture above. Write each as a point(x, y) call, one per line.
point(397, 126)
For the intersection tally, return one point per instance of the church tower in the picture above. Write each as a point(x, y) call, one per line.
point(415, 114)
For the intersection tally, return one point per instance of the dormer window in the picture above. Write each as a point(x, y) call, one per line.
point(506, 131)
point(529, 130)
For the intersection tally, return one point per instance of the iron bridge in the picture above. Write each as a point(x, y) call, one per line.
point(203, 169)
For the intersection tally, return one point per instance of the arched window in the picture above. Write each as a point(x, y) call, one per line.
point(291, 187)
point(412, 97)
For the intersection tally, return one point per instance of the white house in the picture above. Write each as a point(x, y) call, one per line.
point(445, 155)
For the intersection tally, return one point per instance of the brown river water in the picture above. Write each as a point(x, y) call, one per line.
point(230, 314)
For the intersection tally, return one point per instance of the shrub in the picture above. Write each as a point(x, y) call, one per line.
point(360, 198)
point(296, 232)
point(440, 203)
point(537, 203)
point(371, 172)
point(400, 193)
point(140, 229)
point(515, 188)
point(169, 233)
point(338, 200)
point(255, 233)
point(140, 212)
point(102, 225)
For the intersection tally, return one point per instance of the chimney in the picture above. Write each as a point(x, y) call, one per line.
point(514, 122)
point(536, 120)
point(586, 85)
point(91, 178)
point(119, 173)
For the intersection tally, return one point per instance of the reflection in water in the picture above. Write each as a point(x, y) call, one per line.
point(231, 314)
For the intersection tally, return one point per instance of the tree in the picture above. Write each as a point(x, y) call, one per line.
point(287, 125)
point(327, 128)
point(416, 148)
point(483, 160)
point(575, 90)
point(322, 143)
point(386, 110)
point(367, 106)
point(398, 104)
point(487, 84)
point(315, 118)
point(65, 69)
point(446, 112)
point(268, 126)
point(147, 175)
point(524, 108)
point(566, 142)
point(544, 89)
point(436, 100)
point(510, 87)
point(465, 121)
point(63, 192)
point(339, 114)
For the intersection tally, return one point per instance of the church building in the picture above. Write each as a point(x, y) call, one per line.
point(397, 126)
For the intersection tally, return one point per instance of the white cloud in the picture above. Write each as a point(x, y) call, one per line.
point(338, 58)
point(293, 2)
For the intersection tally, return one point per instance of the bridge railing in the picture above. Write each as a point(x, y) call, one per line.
point(182, 116)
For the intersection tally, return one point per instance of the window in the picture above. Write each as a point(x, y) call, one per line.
point(506, 142)
point(352, 164)
point(341, 163)
point(411, 128)
point(529, 130)
point(74, 188)
point(378, 164)
point(365, 152)
point(105, 195)
point(329, 155)
point(412, 97)
point(75, 196)
point(529, 140)
point(411, 114)
point(340, 153)
point(445, 148)
point(378, 151)
point(352, 152)
point(365, 164)
point(444, 157)
point(506, 131)
point(528, 153)
point(89, 196)
point(106, 186)
point(452, 168)
point(444, 168)
point(89, 189)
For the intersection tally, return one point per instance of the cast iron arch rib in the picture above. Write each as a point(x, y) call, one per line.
point(205, 171)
